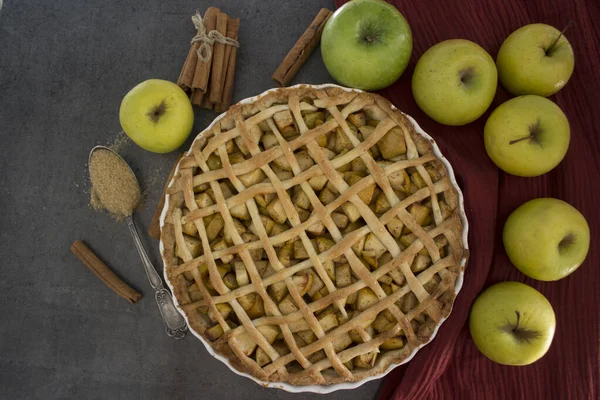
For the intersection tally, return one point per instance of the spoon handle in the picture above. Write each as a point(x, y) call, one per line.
point(174, 322)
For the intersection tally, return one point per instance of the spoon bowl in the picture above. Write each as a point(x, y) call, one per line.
point(120, 158)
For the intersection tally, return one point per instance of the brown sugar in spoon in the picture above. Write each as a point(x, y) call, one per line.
point(116, 189)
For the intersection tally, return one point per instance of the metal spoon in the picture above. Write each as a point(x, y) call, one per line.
point(174, 322)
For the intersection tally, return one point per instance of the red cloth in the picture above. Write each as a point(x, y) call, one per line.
point(451, 366)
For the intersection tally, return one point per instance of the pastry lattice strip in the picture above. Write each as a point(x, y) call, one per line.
point(351, 194)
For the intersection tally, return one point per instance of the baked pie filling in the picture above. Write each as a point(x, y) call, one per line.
point(313, 237)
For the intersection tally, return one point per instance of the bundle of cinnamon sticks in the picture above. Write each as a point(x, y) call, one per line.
point(210, 82)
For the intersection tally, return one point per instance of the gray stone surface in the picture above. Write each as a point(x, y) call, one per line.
point(64, 67)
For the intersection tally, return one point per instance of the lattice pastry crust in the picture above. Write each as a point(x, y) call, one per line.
point(302, 239)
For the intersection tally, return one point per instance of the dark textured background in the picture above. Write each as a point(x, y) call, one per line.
point(64, 67)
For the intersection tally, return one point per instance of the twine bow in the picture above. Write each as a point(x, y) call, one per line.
point(207, 40)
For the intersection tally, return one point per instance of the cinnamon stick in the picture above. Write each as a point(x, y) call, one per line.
point(216, 76)
point(154, 229)
point(229, 33)
point(187, 72)
point(189, 67)
point(298, 55)
point(104, 273)
point(206, 102)
point(196, 97)
point(202, 71)
point(233, 28)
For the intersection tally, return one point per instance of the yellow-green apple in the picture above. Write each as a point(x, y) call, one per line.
point(455, 82)
point(157, 115)
point(512, 323)
point(527, 136)
point(535, 59)
point(546, 239)
point(366, 44)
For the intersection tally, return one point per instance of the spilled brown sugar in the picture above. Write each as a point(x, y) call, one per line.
point(119, 143)
point(114, 186)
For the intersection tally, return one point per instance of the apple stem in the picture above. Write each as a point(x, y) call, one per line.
point(520, 139)
point(518, 320)
point(549, 49)
point(534, 131)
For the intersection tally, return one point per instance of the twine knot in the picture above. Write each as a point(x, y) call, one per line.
point(206, 40)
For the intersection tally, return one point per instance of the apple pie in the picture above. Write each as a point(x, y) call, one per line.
point(312, 237)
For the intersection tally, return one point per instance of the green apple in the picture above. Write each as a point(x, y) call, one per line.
point(455, 82)
point(512, 323)
point(157, 115)
point(535, 59)
point(527, 136)
point(366, 44)
point(546, 239)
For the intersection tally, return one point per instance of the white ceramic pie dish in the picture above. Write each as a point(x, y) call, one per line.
point(322, 389)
